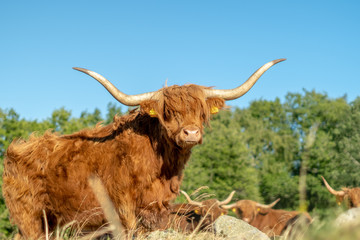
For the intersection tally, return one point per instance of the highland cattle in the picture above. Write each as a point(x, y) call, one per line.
point(273, 222)
point(351, 196)
point(197, 215)
point(139, 157)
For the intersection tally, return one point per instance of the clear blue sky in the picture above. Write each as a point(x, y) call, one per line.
point(137, 45)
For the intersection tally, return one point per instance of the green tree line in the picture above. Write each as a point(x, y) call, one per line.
point(260, 151)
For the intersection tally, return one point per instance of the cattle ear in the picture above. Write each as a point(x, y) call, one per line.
point(215, 104)
point(149, 107)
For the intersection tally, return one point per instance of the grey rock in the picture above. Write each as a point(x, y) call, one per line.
point(166, 235)
point(349, 218)
point(235, 229)
point(225, 228)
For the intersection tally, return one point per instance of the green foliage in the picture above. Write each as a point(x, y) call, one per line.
point(112, 110)
point(222, 162)
point(12, 127)
point(6, 229)
point(61, 121)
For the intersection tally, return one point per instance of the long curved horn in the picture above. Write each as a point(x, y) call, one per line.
point(331, 190)
point(274, 203)
point(191, 201)
point(228, 199)
point(128, 100)
point(268, 205)
point(228, 206)
point(230, 94)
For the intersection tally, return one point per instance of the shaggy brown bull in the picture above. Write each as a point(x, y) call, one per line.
point(273, 222)
point(186, 217)
point(140, 158)
point(350, 195)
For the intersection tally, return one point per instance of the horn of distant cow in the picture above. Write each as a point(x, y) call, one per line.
point(268, 205)
point(228, 199)
point(128, 100)
point(229, 206)
point(331, 190)
point(190, 200)
point(230, 94)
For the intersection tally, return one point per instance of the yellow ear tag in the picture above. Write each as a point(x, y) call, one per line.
point(197, 211)
point(234, 209)
point(258, 209)
point(214, 110)
point(339, 203)
point(152, 113)
point(222, 213)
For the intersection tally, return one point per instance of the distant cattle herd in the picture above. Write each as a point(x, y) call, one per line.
point(140, 159)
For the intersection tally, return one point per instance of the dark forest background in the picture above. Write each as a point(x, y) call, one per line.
point(263, 151)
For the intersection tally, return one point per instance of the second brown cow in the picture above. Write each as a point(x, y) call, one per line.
point(187, 217)
point(273, 222)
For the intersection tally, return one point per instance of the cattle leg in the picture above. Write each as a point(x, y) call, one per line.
point(25, 209)
point(30, 228)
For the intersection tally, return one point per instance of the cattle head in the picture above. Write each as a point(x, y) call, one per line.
point(209, 209)
point(182, 110)
point(350, 195)
point(247, 210)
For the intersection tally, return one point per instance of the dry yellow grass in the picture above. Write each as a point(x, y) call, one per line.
point(318, 230)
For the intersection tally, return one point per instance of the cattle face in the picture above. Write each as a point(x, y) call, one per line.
point(247, 210)
point(350, 195)
point(182, 110)
point(140, 158)
point(197, 215)
point(273, 222)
